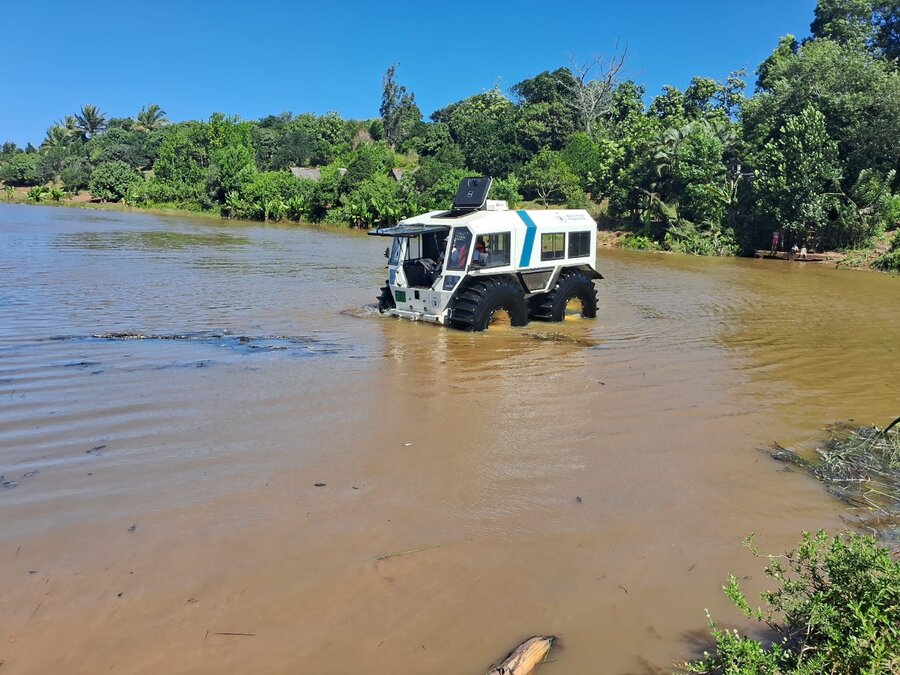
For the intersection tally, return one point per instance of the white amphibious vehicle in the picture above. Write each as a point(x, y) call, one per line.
point(465, 266)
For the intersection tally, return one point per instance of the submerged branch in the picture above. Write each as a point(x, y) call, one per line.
point(861, 467)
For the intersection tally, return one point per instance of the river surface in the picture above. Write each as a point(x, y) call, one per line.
point(593, 480)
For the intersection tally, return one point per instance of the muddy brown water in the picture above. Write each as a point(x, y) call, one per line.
point(160, 511)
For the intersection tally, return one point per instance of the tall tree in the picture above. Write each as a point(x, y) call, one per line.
point(798, 177)
point(151, 117)
point(57, 137)
point(874, 23)
point(844, 21)
point(887, 28)
point(89, 121)
point(399, 112)
point(591, 86)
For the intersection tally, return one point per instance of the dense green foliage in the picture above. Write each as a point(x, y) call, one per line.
point(112, 181)
point(814, 152)
point(890, 261)
point(836, 610)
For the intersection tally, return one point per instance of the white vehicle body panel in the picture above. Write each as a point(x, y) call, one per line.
point(541, 244)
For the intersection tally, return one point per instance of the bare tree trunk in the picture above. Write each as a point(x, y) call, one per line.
point(592, 86)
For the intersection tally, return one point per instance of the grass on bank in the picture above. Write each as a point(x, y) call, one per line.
point(882, 254)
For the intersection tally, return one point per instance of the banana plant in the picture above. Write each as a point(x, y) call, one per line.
point(36, 194)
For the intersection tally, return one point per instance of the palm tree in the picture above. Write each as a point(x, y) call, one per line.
point(151, 117)
point(70, 124)
point(89, 121)
point(57, 137)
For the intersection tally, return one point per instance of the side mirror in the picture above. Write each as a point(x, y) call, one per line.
point(387, 251)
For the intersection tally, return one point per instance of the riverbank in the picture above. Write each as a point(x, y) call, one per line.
point(857, 259)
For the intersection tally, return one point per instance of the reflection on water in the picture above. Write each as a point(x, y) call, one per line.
point(590, 479)
point(148, 240)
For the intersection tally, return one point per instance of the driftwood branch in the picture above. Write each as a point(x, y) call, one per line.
point(525, 657)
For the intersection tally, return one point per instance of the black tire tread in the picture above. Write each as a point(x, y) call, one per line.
point(474, 304)
point(551, 306)
point(386, 299)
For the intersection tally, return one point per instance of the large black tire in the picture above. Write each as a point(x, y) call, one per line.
point(386, 299)
point(478, 300)
point(571, 284)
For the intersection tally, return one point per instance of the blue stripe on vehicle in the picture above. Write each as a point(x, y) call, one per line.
point(530, 231)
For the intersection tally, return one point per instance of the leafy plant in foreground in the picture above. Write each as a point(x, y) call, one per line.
point(837, 610)
point(36, 194)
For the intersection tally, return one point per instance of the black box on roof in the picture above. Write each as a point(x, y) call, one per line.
point(472, 193)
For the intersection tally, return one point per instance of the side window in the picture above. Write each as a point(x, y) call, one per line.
point(579, 244)
point(492, 250)
point(459, 248)
point(553, 246)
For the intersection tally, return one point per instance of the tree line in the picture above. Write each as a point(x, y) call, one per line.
point(814, 151)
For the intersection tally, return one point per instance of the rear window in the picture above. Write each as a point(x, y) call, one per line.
point(579, 244)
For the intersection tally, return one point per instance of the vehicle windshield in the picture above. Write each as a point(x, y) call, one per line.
point(395, 251)
point(459, 248)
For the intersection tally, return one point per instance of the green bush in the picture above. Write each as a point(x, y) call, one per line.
point(20, 170)
point(112, 181)
point(686, 237)
point(638, 243)
point(889, 262)
point(506, 189)
point(266, 196)
point(836, 610)
point(75, 174)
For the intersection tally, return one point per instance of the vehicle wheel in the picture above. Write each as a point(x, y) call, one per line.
point(386, 299)
point(572, 288)
point(479, 301)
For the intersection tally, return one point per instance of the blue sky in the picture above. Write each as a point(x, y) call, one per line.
point(257, 58)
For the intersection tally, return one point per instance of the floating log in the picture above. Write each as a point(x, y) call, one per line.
point(523, 659)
